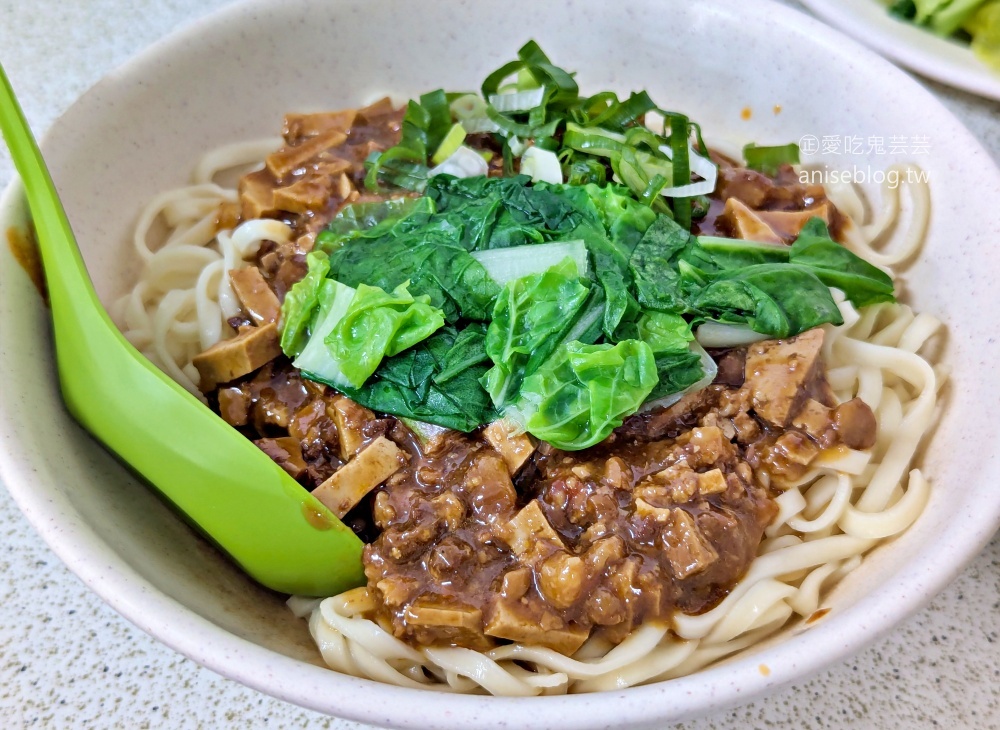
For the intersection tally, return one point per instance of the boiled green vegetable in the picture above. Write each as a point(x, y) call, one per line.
point(585, 392)
point(380, 324)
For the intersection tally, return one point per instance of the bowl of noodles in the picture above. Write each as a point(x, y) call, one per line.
point(637, 388)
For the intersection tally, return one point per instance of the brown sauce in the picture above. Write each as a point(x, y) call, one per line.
point(663, 516)
point(24, 249)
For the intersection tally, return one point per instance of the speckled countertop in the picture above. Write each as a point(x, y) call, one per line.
point(69, 661)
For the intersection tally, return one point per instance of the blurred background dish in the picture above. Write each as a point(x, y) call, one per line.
point(944, 59)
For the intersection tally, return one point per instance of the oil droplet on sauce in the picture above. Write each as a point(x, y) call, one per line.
point(316, 518)
point(777, 109)
point(24, 248)
point(817, 615)
point(746, 114)
point(764, 670)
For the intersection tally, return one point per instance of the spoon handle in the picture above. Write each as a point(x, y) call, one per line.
point(65, 272)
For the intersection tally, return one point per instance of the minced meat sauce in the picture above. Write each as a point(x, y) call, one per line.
point(476, 539)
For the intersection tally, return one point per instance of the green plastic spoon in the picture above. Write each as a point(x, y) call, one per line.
point(281, 535)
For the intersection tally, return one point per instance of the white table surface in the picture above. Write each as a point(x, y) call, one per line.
point(69, 661)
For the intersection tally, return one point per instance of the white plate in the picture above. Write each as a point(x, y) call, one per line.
point(233, 75)
point(947, 61)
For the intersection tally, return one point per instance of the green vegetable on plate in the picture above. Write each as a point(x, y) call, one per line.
point(563, 306)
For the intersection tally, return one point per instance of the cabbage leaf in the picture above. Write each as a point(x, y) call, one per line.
point(378, 324)
point(585, 391)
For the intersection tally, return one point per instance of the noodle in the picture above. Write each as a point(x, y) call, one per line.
point(831, 517)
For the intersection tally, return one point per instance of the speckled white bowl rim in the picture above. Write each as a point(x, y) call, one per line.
point(945, 60)
point(106, 572)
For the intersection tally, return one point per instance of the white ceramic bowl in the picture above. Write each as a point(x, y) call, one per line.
point(948, 61)
point(233, 75)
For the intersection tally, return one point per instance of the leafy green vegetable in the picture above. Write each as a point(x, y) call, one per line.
point(778, 291)
point(406, 385)
point(612, 224)
point(425, 125)
point(836, 266)
point(424, 252)
point(378, 324)
point(494, 213)
point(316, 361)
point(946, 17)
point(779, 300)
point(984, 27)
point(301, 302)
point(654, 266)
point(949, 17)
point(768, 159)
point(585, 391)
point(903, 9)
point(669, 336)
point(564, 305)
point(468, 350)
point(732, 253)
point(357, 218)
point(529, 315)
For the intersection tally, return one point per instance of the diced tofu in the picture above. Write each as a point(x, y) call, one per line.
point(788, 223)
point(305, 195)
point(255, 295)
point(224, 361)
point(358, 600)
point(780, 372)
point(286, 452)
point(350, 419)
point(510, 620)
point(687, 549)
point(796, 448)
point(228, 216)
point(748, 223)
point(515, 447)
point(344, 186)
point(428, 614)
point(814, 418)
point(298, 126)
point(379, 461)
point(288, 159)
point(527, 528)
point(333, 166)
point(256, 195)
point(234, 406)
point(376, 109)
point(646, 510)
point(711, 482)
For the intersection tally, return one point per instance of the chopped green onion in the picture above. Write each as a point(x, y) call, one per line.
point(468, 106)
point(768, 159)
point(598, 142)
point(583, 170)
point(511, 127)
point(520, 101)
point(541, 165)
point(463, 162)
point(679, 147)
point(451, 142)
point(620, 114)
